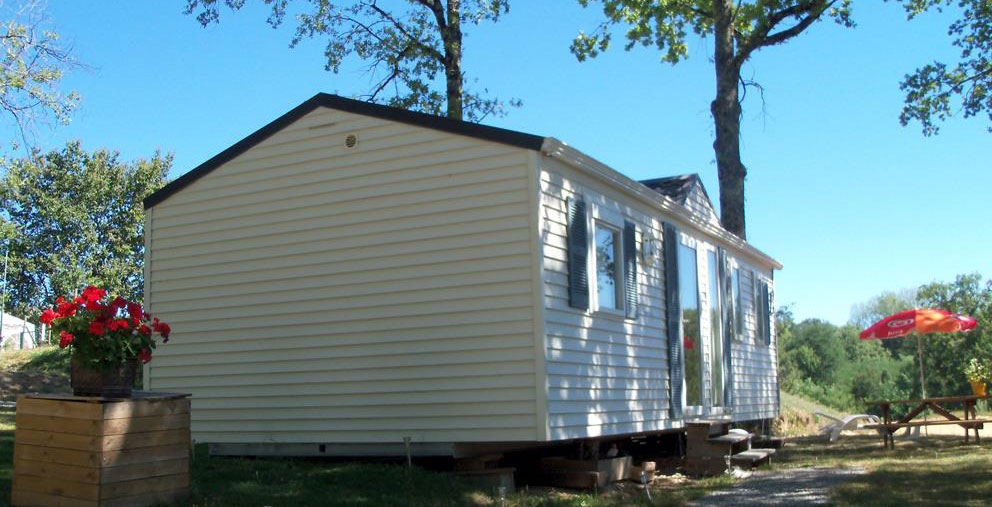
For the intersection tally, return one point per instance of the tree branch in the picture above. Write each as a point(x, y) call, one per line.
point(402, 29)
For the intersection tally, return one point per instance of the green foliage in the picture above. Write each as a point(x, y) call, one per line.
point(32, 62)
point(833, 366)
point(407, 51)
point(667, 24)
point(931, 88)
point(71, 219)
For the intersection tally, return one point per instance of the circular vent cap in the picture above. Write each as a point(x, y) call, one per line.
point(351, 141)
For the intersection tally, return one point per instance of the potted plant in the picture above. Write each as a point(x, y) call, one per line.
point(107, 339)
point(978, 373)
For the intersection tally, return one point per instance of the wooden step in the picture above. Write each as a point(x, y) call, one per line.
point(729, 439)
point(767, 442)
point(751, 457)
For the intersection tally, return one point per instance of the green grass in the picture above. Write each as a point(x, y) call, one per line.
point(48, 360)
point(301, 482)
point(926, 471)
point(6, 455)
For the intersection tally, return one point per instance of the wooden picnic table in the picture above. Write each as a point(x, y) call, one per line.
point(970, 420)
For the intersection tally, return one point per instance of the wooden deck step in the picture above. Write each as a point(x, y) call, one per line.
point(729, 438)
point(752, 457)
point(767, 442)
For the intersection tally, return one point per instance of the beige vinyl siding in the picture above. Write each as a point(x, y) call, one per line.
point(697, 202)
point(319, 293)
point(606, 375)
point(755, 363)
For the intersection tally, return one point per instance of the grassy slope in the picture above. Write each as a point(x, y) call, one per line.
point(47, 360)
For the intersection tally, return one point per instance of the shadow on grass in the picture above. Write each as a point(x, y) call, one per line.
point(927, 471)
point(301, 482)
point(6, 455)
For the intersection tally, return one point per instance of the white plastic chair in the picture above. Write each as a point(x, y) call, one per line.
point(849, 423)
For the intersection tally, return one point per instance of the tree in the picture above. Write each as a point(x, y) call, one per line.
point(739, 29)
point(863, 315)
point(405, 50)
point(31, 67)
point(930, 88)
point(72, 218)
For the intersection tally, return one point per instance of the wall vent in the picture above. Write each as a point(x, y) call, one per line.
point(351, 141)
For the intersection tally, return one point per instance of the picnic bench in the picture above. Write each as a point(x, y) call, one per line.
point(970, 421)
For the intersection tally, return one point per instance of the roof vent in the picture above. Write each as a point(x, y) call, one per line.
point(351, 141)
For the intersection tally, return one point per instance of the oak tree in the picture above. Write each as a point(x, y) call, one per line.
point(931, 88)
point(32, 62)
point(407, 49)
point(71, 218)
point(739, 29)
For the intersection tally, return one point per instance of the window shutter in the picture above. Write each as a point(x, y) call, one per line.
point(766, 305)
point(630, 269)
point(726, 284)
point(578, 251)
point(673, 319)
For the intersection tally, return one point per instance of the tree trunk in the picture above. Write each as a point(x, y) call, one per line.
point(453, 59)
point(726, 109)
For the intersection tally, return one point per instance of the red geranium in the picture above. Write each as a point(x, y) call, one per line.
point(103, 333)
point(96, 328)
point(65, 338)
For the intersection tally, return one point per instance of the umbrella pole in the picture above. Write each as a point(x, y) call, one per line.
point(923, 385)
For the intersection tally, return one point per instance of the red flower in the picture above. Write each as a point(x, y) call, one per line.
point(117, 304)
point(65, 339)
point(48, 316)
point(93, 294)
point(134, 310)
point(145, 355)
point(145, 330)
point(122, 324)
point(95, 306)
point(59, 300)
point(164, 329)
point(96, 328)
point(66, 309)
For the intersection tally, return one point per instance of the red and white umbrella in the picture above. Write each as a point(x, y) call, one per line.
point(920, 321)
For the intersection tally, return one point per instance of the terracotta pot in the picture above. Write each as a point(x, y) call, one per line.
point(113, 383)
point(979, 388)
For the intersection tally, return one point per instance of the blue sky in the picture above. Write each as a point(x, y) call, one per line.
point(849, 201)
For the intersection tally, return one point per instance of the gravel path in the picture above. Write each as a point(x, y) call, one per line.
point(792, 487)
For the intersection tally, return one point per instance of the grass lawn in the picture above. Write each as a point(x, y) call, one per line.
point(47, 360)
point(926, 471)
point(300, 482)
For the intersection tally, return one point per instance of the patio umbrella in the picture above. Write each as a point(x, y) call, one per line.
point(920, 321)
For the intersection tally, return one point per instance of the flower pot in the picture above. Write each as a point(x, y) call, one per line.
point(113, 383)
point(978, 388)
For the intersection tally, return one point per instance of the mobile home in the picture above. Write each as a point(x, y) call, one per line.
point(352, 276)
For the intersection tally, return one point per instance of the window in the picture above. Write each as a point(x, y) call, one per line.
point(692, 346)
point(609, 273)
point(738, 308)
point(716, 326)
point(762, 313)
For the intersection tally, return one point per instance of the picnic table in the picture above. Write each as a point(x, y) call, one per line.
point(970, 421)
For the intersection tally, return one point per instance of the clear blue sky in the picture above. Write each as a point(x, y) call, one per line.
point(848, 200)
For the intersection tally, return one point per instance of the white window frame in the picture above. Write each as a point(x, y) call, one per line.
point(693, 410)
point(716, 335)
point(608, 219)
point(737, 289)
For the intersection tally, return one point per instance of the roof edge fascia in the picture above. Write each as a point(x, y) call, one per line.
point(559, 150)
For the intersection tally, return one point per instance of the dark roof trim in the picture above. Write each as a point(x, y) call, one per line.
point(494, 134)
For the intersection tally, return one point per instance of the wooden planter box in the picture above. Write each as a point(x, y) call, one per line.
point(97, 452)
